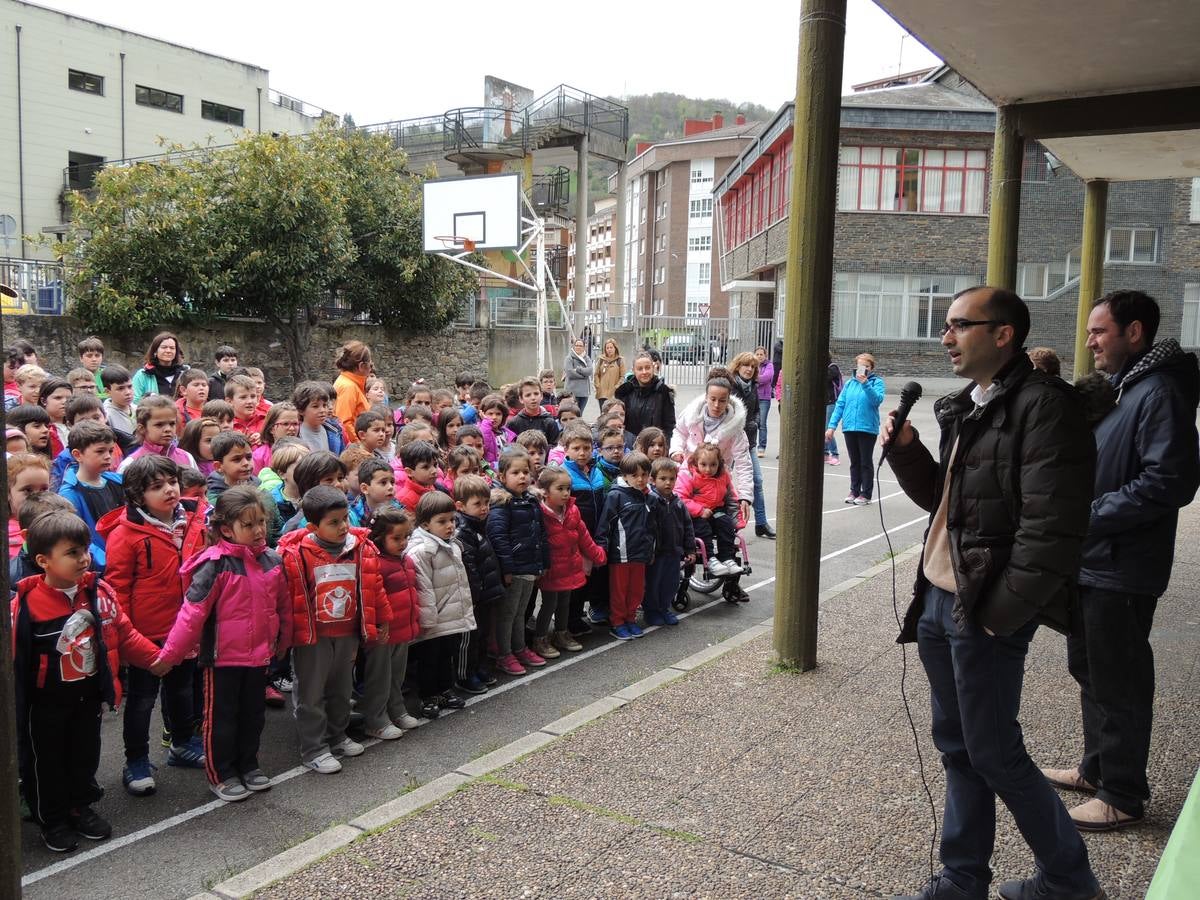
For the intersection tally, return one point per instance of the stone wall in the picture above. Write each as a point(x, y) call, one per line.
point(400, 357)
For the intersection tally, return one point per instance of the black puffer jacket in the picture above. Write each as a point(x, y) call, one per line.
point(1147, 468)
point(646, 405)
point(515, 528)
point(748, 394)
point(1021, 488)
point(482, 565)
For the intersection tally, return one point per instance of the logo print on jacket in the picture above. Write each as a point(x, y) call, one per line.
point(334, 592)
point(77, 644)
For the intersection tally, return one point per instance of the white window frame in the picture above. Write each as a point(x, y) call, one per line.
point(704, 273)
point(853, 300)
point(1190, 331)
point(700, 243)
point(1134, 231)
point(700, 208)
point(1194, 204)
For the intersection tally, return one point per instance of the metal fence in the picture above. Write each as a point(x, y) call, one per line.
point(39, 286)
point(690, 346)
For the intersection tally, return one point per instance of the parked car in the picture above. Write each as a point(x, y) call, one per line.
point(684, 348)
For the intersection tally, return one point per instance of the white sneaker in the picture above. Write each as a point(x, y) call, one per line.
point(388, 732)
point(718, 568)
point(732, 568)
point(348, 747)
point(407, 722)
point(850, 498)
point(324, 764)
point(861, 501)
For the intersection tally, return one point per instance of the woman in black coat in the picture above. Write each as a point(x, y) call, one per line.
point(648, 401)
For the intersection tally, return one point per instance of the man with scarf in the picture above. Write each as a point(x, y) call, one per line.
point(1147, 468)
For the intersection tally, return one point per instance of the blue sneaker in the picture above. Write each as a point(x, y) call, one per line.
point(634, 630)
point(188, 756)
point(622, 633)
point(655, 619)
point(669, 618)
point(597, 616)
point(138, 777)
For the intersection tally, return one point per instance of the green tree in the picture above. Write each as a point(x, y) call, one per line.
point(271, 227)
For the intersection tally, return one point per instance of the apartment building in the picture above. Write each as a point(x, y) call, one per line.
point(77, 94)
point(671, 256)
point(911, 228)
point(592, 298)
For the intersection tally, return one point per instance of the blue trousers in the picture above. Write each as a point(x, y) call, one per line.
point(975, 683)
point(662, 582)
point(760, 501)
point(831, 444)
point(764, 410)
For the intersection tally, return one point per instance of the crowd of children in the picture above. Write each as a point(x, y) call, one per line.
point(174, 534)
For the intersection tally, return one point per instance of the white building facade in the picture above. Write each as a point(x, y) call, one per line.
point(76, 94)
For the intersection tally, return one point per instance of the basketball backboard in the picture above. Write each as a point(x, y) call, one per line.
point(484, 209)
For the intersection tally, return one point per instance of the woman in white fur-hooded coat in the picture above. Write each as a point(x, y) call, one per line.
point(718, 418)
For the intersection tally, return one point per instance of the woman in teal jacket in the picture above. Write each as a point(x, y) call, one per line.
point(857, 409)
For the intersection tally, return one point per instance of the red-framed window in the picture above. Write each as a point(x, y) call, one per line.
point(762, 178)
point(898, 179)
point(727, 220)
point(785, 194)
point(776, 187)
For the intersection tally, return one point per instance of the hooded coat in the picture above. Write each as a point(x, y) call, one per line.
point(442, 585)
point(652, 403)
point(570, 542)
point(729, 436)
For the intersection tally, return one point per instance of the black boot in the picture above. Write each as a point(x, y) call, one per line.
point(765, 531)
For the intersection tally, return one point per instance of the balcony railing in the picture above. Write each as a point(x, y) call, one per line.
point(39, 286)
point(296, 105)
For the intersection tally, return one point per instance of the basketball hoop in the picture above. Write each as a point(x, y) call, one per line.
point(450, 240)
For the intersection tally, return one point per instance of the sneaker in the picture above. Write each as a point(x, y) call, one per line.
point(862, 501)
point(669, 618)
point(850, 498)
point(283, 684)
point(451, 701)
point(828, 458)
point(487, 676)
point(622, 633)
point(388, 732)
point(231, 791)
point(596, 616)
point(761, 452)
point(510, 666)
point(86, 822)
point(274, 698)
point(635, 630)
point(407, 722)
point(563, 640)
point(325, 764)
point(835, 462)
point(59, 838)
point(189, 756)
point(348, 747)
point(430, 709)
point(166, 738)
point(543, 648)
point(138, 777)
point(529, 658)
point(732, 567)
point(256, 781)
point(472, 685)
point(1036, 888)
point(718, 568)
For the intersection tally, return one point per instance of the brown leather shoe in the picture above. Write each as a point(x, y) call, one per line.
point(1096, 815)
point(1068, 780)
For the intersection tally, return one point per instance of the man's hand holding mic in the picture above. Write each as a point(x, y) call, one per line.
point(888, 436)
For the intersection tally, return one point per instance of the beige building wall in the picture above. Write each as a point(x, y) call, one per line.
point(56, 120)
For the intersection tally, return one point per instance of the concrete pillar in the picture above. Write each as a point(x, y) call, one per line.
point(1005, 217)
point(581, 229)
point(1091, 268)
point(619, 248)
point(806, 329)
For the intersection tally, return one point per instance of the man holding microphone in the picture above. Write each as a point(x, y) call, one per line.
point(1008, 495)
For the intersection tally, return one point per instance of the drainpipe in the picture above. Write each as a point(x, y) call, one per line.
point(260, 110)
point(123, 153)
point(20, 147)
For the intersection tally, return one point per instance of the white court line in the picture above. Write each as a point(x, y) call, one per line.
point(194, 813)
point(876, 537)
point(836, 475)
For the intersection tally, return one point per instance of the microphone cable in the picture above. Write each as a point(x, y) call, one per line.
point(903, 680)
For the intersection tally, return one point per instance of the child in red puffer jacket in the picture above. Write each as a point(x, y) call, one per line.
point(382, 705)
point(572, 555)
point(711, 500)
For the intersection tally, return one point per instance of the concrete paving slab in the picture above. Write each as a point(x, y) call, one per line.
point(648, 684)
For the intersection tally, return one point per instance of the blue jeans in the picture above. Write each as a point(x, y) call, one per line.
point(975, 685)
point(760, 502)
point(831, 444)
point(764, 410)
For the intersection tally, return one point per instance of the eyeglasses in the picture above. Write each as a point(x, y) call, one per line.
point(960, 326)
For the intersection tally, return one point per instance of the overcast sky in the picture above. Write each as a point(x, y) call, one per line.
point(382, 60)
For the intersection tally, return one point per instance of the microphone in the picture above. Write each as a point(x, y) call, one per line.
point(909, 394)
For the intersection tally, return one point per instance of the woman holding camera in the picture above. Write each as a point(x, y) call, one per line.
point(857, 409)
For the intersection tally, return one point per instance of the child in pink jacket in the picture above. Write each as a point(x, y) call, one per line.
point(707, 491)
point(572, 555)
point(237, 609)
